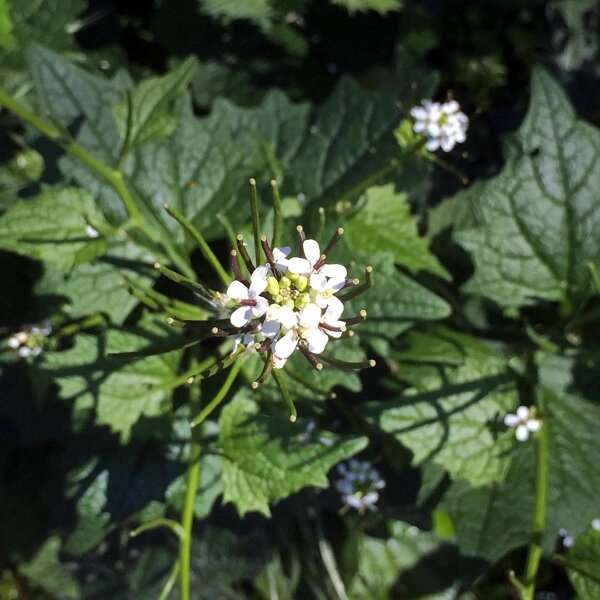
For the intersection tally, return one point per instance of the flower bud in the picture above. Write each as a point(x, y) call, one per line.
point(301, 283)
point(273, 286)
point(289, 302)
point(284, 282)
point(291, 276)
point(302, 300)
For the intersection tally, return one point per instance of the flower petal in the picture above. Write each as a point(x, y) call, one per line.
point(317, 340)
point(311, 251)
point(258, 280)
point(522, 433)
point(237, 290)
point(310, 316)
point(270, 328)
point(284, 347)
point(281, 253)
point(335, 308)
point(262, 304)
point(432, 145)
point(511, 420)
point(241, 316)
point(278, 362)
point(287, 317)
point(337, 283)
point(334, 271)
point(523, 413)
point(418, 112)
point(534, 424)
point(299, 266)
point(318, 282)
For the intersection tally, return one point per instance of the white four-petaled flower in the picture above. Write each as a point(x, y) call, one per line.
point(359, 485)
point(523, 423)
point(443, 124)
point(253, 304)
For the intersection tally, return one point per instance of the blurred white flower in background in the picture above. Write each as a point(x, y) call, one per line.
point(523, 422)
point(359, 485)
point(443, 124)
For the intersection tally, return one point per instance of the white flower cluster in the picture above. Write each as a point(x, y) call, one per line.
point(359, 485)
point(443, 124)
point(523, 422)
point(290, 303)
point(568, 540)
point(30, 340)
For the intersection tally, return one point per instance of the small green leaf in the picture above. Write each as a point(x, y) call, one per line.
point(581, 562)
point(537, 218)
point(452, 415)
point(146, 114)
point(266, 459)
point(53, 227)
point(380, 6)
point(44, 570)
point(385, 223)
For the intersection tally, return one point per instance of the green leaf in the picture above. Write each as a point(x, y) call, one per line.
point(146, 114)
point(385, 223)
point(411, 560)
point(266, 458)
point(118, 394)
point(581, 562)
point(52, 227)
point(67, 92)
point(537, 217)
point(259, 11)
point(393, 304)
point(381, 6)
point(44, 570)
point(92, 288)
point(451, 416)
point(7, 39)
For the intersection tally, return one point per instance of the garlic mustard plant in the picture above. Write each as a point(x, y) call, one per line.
point(442, 124)
point(523, 422)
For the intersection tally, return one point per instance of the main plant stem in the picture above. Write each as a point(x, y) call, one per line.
point(539, 514)
point(113, 177)
point(193, 480)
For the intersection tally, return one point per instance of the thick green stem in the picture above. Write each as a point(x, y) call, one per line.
point(539, 514)
point(187, 520)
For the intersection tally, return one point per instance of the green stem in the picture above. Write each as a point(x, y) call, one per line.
point(255, 221)
point(207, 410)
point(539, 514)
point(193, 480)
point(187, 520)
point(277, 216)
point(113, 177)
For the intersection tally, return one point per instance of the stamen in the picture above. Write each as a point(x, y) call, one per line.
point(235, 267)
point(239, 239)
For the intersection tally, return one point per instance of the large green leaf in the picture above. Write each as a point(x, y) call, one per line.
point(267, 459)
point(52, 227)
point(581, 562)
point(451, 416)
point(146, 114)
point(66, 93)
point(92, 288)
point(409, 561)
point(537, 219)
point(117, 393)
point(385, 223)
